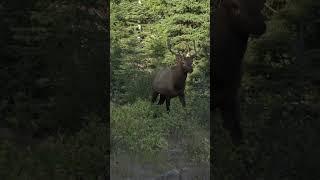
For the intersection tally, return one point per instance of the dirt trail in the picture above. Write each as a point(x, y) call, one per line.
point(169, 165)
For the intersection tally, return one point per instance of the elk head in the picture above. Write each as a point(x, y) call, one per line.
point(246, 16)
point(184, 59)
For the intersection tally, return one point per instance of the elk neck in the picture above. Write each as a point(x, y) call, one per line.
point(179, 77)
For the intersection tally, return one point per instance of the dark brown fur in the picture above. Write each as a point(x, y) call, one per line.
point(235, 21)
point(170, 82)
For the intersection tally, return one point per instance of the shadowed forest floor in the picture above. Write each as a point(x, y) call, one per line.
point(180, 147)
point(172, 164)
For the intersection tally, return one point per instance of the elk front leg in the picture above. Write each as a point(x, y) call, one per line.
point(162, 99)
point(168, 104)
point(230, 112)
point(182, 99)
point(154, 96)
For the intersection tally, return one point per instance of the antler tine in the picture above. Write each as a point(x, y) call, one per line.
point(194, 46)
point(169, 47)
point(270, 8)
point(187, 49)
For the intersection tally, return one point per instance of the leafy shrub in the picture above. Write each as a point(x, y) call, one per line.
point(82, 155)
point(144, 128)
point(139, 127)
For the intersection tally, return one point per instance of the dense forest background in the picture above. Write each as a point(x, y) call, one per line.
point(53, 75)
point(53, 92)
point(280, 100)
point(154, 139)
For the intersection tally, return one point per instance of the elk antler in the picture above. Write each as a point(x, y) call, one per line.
point(270, 8)
point(177, 54)
point(169, 47)
point(195, 50)
point(194, 47)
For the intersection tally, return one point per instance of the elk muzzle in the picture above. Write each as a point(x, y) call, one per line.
point(188, 69)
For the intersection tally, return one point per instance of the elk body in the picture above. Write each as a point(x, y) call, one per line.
point(170, 82)
point(236, 20)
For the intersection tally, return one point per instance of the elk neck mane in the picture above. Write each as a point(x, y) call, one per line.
point(179, 76)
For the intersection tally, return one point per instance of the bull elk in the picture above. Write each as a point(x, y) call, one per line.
point(236, 21)
point(170, 82)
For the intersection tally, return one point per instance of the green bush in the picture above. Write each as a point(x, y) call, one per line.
point(81, 155)
point(139, 127)
point(146, 129)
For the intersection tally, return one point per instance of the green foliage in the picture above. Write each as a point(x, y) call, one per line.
point(135, 126)
point(139, 37)
point(145, 129)
point(82, 155)
point(52, 77)
point(139, 34)
point(52, 63)
point(279, 104)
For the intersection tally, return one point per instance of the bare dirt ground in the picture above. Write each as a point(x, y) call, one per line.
point(172, 164)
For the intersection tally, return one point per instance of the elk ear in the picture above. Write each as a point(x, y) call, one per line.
point(233, 7)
